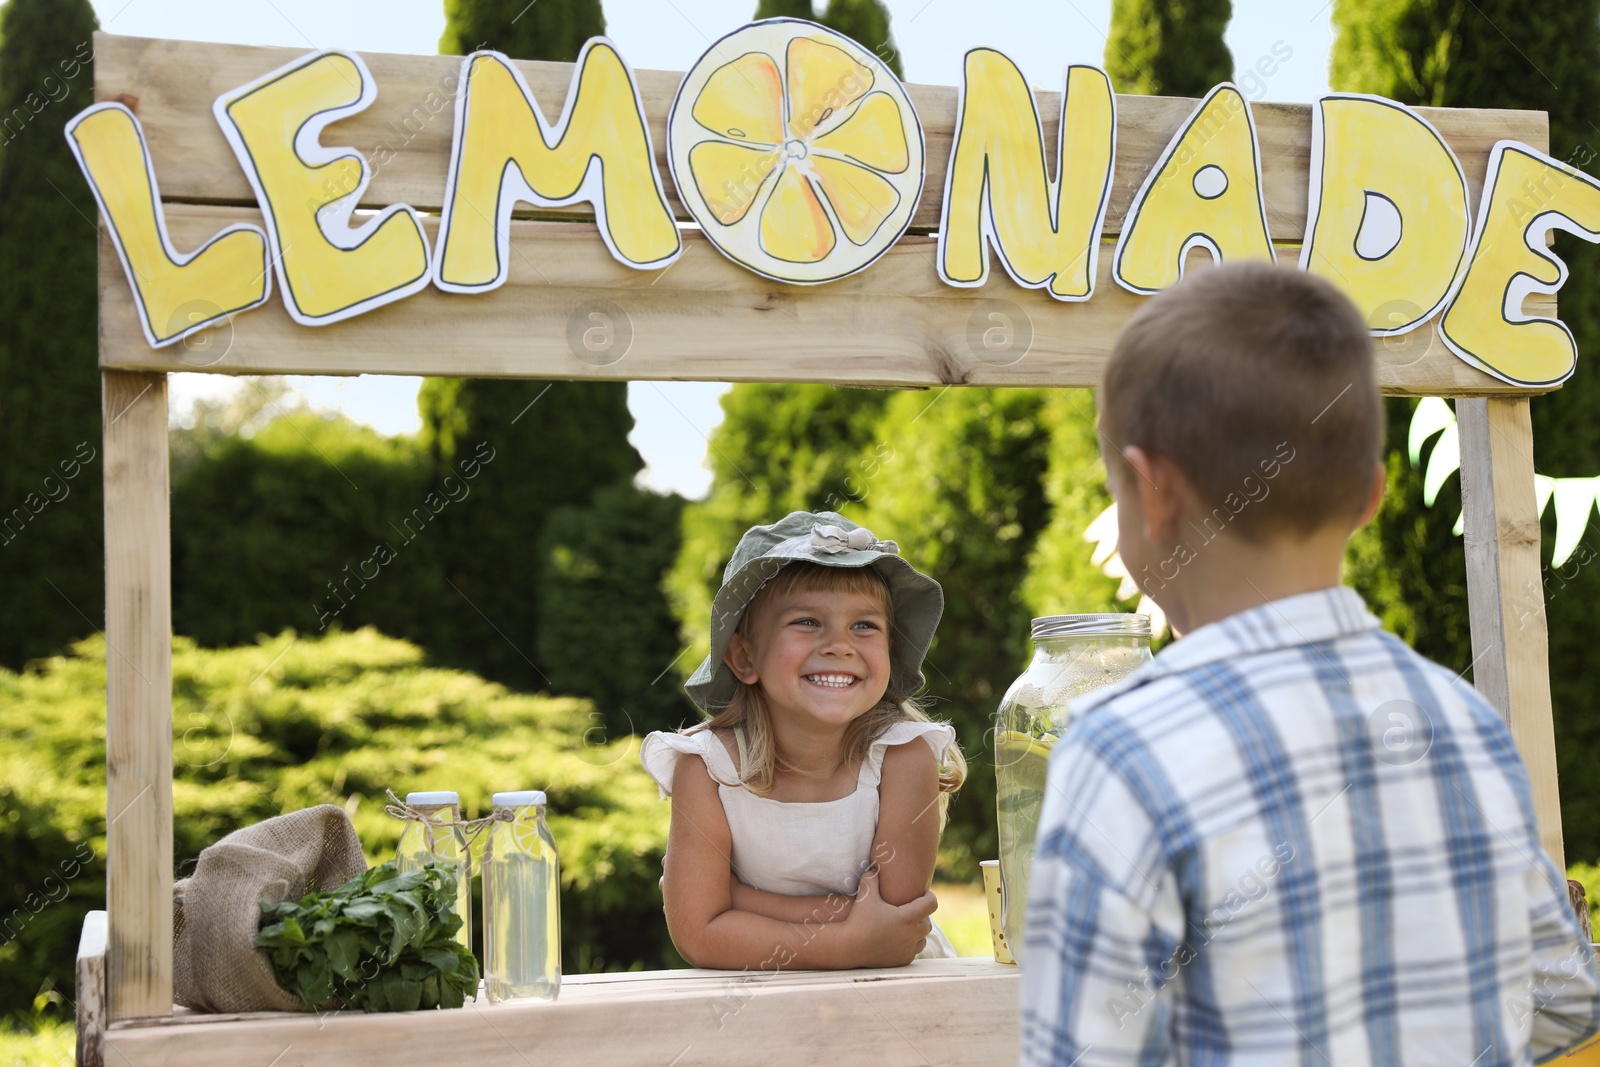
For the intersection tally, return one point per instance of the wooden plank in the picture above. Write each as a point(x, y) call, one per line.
point(90, 988)
point(138, 695)
point(934, 1011)
point(1505, 591)
point(703, 318)
point(615, 986)
point(406, 133)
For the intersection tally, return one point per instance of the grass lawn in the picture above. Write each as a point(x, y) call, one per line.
point(53, 1044)
point(964, 917)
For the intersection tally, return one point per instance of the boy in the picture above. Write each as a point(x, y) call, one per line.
point(1289, 839)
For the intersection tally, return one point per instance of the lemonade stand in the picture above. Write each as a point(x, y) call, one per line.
point(785, 211)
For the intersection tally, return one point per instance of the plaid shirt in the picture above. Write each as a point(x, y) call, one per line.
point(1289, 839)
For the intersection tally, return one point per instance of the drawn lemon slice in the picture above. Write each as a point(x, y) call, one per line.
point(796, 150)
point(1023, 761)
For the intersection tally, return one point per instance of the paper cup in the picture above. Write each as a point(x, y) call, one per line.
point(991, 893)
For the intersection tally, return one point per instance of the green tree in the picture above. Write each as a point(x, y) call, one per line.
point(52, 546)
point(794, 9)
point(1495, 54)
point(865, 22)
point(565, 441)
point(244, 412)
point(1406, 562)
point(310, 522)
point(548, 29)
point(779, 448)
point(961, 491)
point(605, 631)
point(1168, 47)
point(1061, 580)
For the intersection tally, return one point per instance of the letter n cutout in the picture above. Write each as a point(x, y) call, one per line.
point(998, 192)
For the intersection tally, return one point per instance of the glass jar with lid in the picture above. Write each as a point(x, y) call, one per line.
point(1073, 655)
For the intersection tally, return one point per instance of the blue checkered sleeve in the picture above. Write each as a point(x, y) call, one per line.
point(1103, 922)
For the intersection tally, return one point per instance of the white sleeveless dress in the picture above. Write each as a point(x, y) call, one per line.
point(798, 848)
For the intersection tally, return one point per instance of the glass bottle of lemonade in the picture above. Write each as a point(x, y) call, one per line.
point(439, 840)
point(1072, 655)
point(521, 901)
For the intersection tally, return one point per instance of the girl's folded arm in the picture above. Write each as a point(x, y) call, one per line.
point(704, 924)
point(832, 907)
point(710, 932)
point(906, 843)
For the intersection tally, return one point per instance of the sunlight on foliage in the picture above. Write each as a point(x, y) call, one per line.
point(294, 721)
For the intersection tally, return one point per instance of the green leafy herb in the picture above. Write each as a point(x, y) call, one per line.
point(384, 941)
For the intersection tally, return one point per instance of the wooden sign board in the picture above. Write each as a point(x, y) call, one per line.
point(703, 317)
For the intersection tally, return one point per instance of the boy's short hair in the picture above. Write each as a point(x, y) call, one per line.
point(1259, 382)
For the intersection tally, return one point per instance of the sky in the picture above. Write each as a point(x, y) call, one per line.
point(673, 419)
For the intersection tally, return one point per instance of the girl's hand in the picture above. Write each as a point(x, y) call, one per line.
point(884, 935)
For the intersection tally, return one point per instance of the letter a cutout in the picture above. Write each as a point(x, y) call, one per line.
point(1204, 192)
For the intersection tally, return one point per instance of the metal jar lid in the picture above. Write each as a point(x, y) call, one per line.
point(1107, 624)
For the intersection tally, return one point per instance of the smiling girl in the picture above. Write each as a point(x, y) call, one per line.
point(805, 830)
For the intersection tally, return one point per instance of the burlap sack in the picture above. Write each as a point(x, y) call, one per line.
point(217, 910)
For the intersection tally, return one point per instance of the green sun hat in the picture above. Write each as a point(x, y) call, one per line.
point(832, 540)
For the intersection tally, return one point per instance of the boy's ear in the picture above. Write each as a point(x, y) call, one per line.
point(1160, 486)
point(739, 660)
point(1380, 479)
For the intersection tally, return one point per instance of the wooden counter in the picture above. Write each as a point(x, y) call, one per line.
point(932, 1012)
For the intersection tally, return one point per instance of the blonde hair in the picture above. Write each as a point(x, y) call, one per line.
point(748, 706)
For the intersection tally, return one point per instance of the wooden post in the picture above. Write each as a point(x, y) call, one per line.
point(138, 696)
point(90, 985)
point(1505, 591)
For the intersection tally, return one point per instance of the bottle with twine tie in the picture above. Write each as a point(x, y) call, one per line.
point(521, 901)
point(434, 833)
